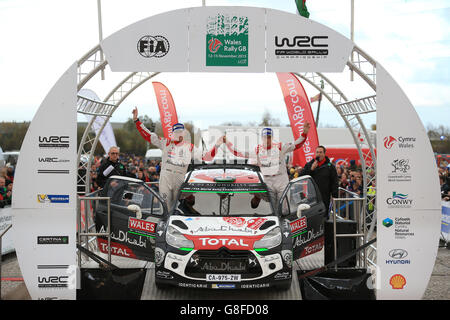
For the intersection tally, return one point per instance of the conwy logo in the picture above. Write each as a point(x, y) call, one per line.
point(399, 200)
point(214, 45)
point(389, 142)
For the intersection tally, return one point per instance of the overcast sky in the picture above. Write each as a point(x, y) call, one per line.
point(40, 39)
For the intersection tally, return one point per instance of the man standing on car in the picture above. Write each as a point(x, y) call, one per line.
point(324, 174)
point(176, 157)
point(271, 158)
point(111, 166)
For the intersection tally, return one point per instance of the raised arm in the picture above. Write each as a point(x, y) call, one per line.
point(209, 155)
point(149, 136)
point(289, 147)
point(237, 153)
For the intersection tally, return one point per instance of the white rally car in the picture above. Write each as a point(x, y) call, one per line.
point(214, 237)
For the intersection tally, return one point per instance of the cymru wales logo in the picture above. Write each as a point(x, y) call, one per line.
point(389, 142)
point(227, 41)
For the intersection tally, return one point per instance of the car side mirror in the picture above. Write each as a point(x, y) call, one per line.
point(302, 207)
point(136, 209)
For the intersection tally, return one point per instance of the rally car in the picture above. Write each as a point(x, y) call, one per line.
point(215, 236)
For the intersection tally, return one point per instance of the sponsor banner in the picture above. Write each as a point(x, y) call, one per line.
point(307, 240)
point(227, 39)
point(158, 43)
point(445, 223)
point(46, 251)
point(5, 222)
point(299, 111)
point(167, 109)
point(130, 238)
point(298, 44)
point(408, 204)
point(50, 144)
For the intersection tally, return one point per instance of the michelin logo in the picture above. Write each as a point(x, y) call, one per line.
point(52, 198)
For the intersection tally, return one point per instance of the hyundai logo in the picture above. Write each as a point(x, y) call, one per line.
point(398, 253)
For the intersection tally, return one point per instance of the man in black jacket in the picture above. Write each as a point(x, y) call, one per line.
point(324, 174)
point(111, 166)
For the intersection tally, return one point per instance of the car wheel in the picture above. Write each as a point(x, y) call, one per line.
point(284, 286)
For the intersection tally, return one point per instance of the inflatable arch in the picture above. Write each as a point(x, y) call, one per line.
point(257, 40)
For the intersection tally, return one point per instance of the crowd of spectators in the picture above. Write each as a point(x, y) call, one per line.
point(350, 179)
point(137, 166)
point(444, 182)
point(6, 185)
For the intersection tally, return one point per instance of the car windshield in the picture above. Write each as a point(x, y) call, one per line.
point(124, 193)
point(224, 204)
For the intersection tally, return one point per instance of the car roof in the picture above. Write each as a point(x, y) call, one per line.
point(224, 178)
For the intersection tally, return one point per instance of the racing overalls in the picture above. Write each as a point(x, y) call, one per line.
point(176, 157)
point(271, 160)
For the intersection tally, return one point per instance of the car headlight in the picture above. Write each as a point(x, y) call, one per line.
point(270, 240)
point(176, 239)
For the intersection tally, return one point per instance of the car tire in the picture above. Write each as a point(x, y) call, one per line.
point(284, 286)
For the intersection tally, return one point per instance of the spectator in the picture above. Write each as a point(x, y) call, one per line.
point(344, 185)
point(445, 187)
point(5, 193)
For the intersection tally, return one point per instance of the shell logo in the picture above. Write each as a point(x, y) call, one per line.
point(397, 281)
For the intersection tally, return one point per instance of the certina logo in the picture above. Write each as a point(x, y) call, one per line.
point(401, 142)
point(302, 46)
point(54, 142)
point(398, 257)
point(52, 239)
point(153, 46)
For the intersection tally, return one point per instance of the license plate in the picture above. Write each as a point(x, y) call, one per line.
point(223, 277)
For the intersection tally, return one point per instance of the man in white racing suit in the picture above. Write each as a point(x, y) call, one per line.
point(176, 157)
point(270, 157)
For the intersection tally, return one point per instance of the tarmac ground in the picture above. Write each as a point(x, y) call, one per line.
point(13, 287)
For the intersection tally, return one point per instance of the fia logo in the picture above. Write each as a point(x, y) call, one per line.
point(153, 46)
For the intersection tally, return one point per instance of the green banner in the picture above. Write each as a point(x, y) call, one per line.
point(227, 41)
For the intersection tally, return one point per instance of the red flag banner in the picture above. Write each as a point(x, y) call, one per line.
point(167, 110)
point(299, 111)
point(315, 98)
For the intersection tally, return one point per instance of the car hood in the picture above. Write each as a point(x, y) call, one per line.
point(235, 233)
